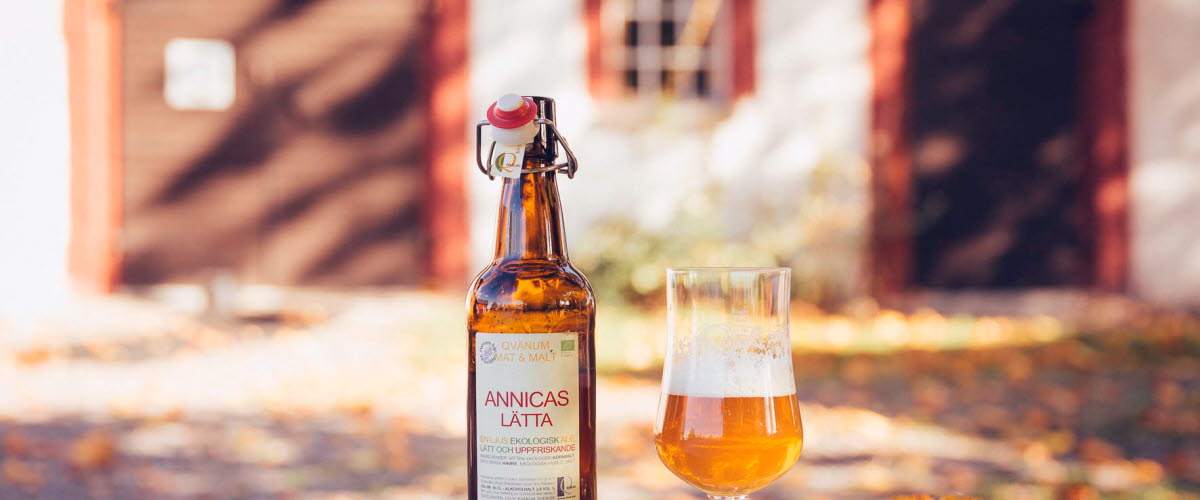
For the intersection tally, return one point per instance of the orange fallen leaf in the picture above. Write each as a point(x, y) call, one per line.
point(21, 473)
point(1148, 471)
point(34, 356)
point(93, 450)
point(16, 443)
point(1078, 492)
point(921, 497)
point(1094, 450)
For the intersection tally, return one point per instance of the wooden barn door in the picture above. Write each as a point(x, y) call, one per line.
point(998, 180)
point(312, 174)
point(999, 144)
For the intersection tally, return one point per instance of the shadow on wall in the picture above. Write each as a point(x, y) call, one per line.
point(311, 177)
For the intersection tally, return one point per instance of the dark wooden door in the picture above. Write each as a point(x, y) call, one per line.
point(313, 174)
point(999, 193)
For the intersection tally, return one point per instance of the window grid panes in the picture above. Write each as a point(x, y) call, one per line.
point(656, 62)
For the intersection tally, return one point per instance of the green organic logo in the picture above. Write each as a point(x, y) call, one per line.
point(505, 162)
point(568, 345)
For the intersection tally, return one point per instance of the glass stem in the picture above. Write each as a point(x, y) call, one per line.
point(719, 497)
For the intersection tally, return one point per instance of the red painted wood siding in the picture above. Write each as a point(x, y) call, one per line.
point(890, 244)
point(93, 35)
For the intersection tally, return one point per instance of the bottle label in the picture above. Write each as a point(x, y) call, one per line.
point(507, 160)
point(527, 415)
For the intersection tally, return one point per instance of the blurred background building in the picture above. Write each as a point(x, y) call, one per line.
point(238, 235)
point(877, 146)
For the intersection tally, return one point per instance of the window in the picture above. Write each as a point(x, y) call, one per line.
point(680, 49)
point(667, 47)
point(199, 74)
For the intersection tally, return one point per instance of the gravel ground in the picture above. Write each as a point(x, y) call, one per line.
point(360, 396)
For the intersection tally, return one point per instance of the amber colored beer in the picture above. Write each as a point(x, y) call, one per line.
point(730, 446)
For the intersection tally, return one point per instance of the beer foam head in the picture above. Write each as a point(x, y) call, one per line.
point(732, 371)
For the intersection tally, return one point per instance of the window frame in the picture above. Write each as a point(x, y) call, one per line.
point(732, 63)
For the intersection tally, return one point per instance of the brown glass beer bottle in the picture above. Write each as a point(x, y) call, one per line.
point(531, 409)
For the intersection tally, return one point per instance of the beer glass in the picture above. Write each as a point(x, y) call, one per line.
point(728, 422)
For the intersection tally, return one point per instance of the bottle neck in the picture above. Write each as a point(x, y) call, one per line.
point(530, 221)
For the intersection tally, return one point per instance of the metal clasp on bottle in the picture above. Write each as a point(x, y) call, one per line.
point(548, 137)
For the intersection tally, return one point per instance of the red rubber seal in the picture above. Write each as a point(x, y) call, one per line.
point(512, 119)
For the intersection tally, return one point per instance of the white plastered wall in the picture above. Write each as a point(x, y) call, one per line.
point(1165, 165)
point(811, 100)
point(34, 141)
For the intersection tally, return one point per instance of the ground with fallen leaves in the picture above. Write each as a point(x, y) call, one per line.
point(361, 396)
